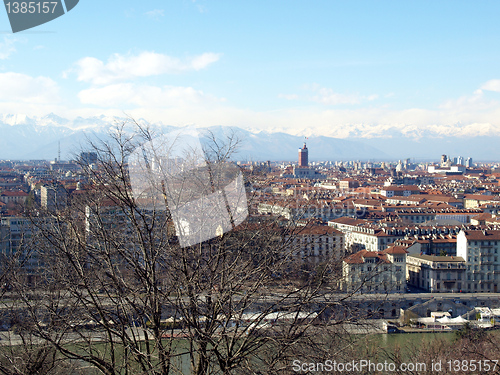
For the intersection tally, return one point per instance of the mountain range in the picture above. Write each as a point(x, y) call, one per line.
point(23, 137)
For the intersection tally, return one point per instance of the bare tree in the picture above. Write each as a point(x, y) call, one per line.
point(122, 295)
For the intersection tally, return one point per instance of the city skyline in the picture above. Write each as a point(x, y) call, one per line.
point(204, 187)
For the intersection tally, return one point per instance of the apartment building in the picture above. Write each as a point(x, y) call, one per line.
point(15, 243)
point(481, 251)
point(53, 197)
point(435, 273)
point(375, 271)
point(405, 191)
point(318, 243)
point(360, 234)
point(14, 197)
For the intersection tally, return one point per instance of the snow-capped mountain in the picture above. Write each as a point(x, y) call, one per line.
point(24, 137)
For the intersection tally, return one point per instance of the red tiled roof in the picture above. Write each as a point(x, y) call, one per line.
point(395, 250)
point(482, 235)
point(14, 194)
point(321, 230)
point(358, 257)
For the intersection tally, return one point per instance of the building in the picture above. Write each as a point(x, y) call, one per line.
point(375, 272)
point(14, 197)
point(15, 244)
point(348, 183)
point(88, 158)
point(359, 234)
point(410, 180)
point(304, 172)
point(318, 243)
point(451, 170)
point(433, 245)
point(53, 197)
point(303, 156)
point(404, 191)
point(476, 200)
point(481, 251)
point(436, 273)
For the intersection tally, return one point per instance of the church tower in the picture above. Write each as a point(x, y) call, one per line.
point(303, 156)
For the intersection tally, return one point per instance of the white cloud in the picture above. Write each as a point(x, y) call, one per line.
point(16, 87)
point(127, 94)
point(7, 47)
point(288, 96)
point(474, 102)
point(329, 97)
point(155, 14)
point(465, 116)
point(202, 61)
point(120, 67)
point(492, 85)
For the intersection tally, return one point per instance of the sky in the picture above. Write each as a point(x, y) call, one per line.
point(338, 68)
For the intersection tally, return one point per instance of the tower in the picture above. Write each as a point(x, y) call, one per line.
point(303, 156)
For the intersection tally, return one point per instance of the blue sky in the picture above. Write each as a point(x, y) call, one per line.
point(338, 68)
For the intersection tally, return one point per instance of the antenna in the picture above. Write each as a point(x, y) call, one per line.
point(59, 153)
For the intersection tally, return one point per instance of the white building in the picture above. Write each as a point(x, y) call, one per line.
point(481, 251)
point(404, 191)
point(53, 197)
point(454, 169)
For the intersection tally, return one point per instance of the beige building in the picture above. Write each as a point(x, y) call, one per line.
point(435, 273)
point(476, 200)
point(394, 191)
point(375, 272)
point(14, 197)
point(318, 243)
